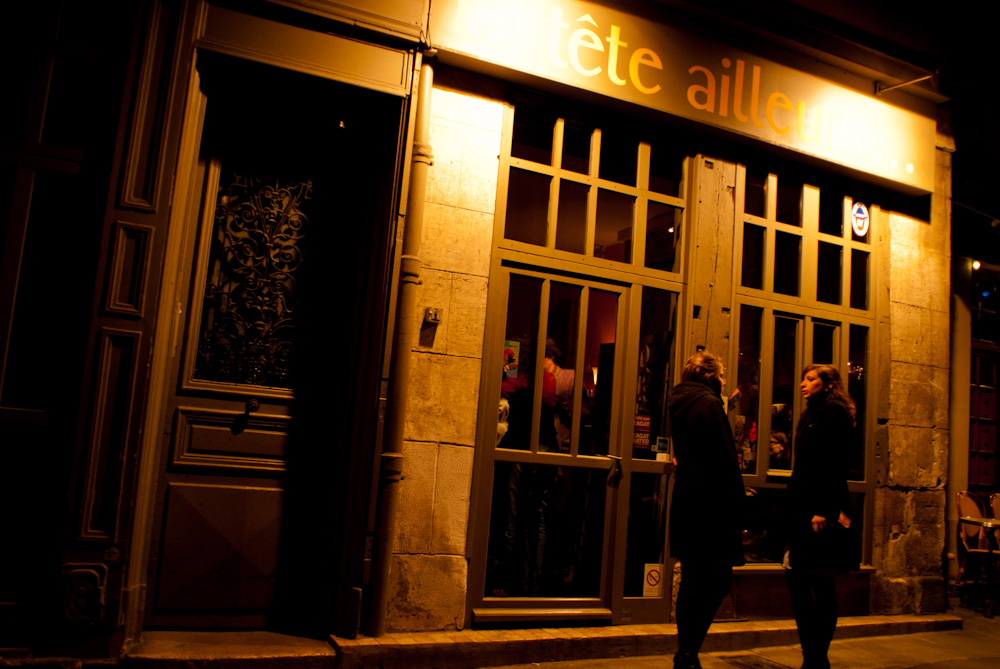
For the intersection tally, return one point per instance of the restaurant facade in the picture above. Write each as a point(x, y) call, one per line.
point(370, 312)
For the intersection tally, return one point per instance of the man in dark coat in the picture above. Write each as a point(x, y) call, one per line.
point(708, 501)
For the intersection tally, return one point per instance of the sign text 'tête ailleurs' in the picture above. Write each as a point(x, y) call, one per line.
point(597, 48)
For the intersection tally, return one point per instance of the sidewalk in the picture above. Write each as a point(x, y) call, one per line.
point(976, 645)
point(958, 638)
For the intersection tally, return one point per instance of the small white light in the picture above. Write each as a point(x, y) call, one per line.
point(976, 264)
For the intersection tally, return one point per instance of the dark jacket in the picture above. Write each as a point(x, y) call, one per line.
point(818, 487)
point(707, 507)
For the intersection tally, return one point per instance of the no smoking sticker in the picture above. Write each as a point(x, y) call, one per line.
point(652, 586)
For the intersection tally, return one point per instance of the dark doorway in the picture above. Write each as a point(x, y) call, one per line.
point(270, 428)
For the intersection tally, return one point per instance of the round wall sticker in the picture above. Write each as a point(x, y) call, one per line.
point(859, 219)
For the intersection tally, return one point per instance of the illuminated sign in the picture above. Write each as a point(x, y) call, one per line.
point(597, 48)
point(859, 219)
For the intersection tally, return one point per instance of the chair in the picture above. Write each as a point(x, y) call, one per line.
point(995, 508)
point(974, 551)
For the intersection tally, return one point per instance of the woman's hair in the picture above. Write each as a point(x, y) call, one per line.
point(833, 386)
point(704, 367)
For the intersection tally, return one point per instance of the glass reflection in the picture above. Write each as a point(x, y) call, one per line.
point(517, 390)
point(576, 145)
point(764, 539)
point(747, 395)
point(829, 266)
point(824, 338)
point(613, 233)
point(859, 279)
point(571, 228)
point(663, 233)
point(647, 524)
point(783, 387)
point(656, 346)
point(857, 387)
point(752, 275)
point(560, 357)
point(527, 207)
point(599, 358)
point(787, 260)
point(546, 531)
point(532, 138)
point(619, 154)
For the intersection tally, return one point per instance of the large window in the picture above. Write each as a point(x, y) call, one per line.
point(571, 487)
point(805, 287)
point(594, 189)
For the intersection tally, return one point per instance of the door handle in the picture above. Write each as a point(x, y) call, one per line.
point(241, 421)
point(615, 475)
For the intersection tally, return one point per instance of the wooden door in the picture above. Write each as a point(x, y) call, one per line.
point(270, 424)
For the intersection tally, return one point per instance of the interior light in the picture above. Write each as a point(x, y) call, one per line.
point(976, 264)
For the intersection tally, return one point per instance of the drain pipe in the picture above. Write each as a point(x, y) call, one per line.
point(404, 330)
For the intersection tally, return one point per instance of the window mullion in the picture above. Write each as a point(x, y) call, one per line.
point(538, 369)
point(640, 211)
point(579, 370)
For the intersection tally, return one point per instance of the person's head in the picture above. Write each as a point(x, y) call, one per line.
point(822, 381)
point(552, 355)
point(779, 443)
point(707, 368)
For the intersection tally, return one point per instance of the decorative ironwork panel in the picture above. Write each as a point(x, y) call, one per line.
point(247, 328)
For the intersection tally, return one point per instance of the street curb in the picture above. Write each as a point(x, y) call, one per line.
point(473, 649)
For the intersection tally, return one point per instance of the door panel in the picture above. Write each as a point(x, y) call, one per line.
point(220, 548)
point(549, 506)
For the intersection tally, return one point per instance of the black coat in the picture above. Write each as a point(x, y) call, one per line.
point(707, 507)
point(818, 487)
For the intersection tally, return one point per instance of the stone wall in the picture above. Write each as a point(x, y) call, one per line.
point(429, 566)
point(913, 440)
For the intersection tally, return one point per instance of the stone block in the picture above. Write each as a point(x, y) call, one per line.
point(443, 401)
point(916, 458)
point(931, 594)
point(480, 107)
point(444, 175)
point(895, 596)
point(461, 301)
point(457, 240)
point(467, 319)
point(416, 502)
point(940, 339)
point(910, 334)
point(937, 278)
point(881, 459)
point(932, 235)
point(889, 519)
point(919, 276)
point(905, 229)
point(908, 532)
point(884, 377)
point(452, 493)
point(427, 593)
point(918, 395)
point(891, 596)
point(480, 166)
point(434, 292)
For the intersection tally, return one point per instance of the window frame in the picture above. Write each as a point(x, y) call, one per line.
point(628, 278)
point(810, 310)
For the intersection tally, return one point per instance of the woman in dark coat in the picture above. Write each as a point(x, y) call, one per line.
point(707, 506)
point(818, 542)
